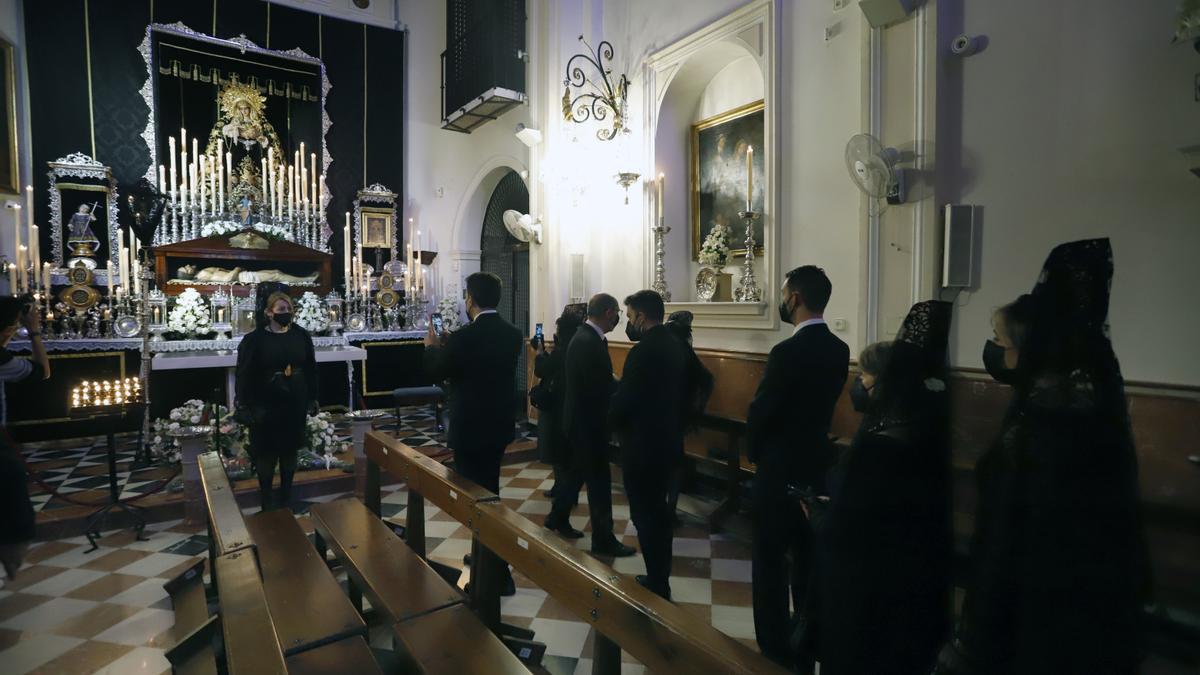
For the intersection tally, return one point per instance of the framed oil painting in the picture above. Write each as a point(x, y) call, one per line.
point(9, 180)
point(718, 159)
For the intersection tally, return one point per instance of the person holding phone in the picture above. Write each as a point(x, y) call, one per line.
point(478, 363)
point(276, 389)
point(550, 367)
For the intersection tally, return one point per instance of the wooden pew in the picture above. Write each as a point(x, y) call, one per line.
point(251, 645)
point(192, 652)
point(227, 529)
point(663, 636)
point(307, 604)
point(436, 630)
point(351, 655)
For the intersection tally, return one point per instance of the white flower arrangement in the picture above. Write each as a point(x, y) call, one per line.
point(166, 449)
point(277, 231)
point(220, 227)
point(448, 308)
point(311, 314)
point(323, 442)
point(190, 314)
point(715, 249)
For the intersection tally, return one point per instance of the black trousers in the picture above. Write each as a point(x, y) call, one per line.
point(593, 470)
point(265, 467)
point(481, 464)
point(780, 531)
point(648, 488)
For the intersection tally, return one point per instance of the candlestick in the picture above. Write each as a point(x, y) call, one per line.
point(750, 178)
point(346, 249)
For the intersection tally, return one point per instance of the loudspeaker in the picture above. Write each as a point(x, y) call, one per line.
point(578, 278)
point(958, 247)
point(882, 13)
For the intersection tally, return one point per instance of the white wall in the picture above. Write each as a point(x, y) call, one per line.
point(819, 110)
point(1071, 120)
point(460, 165)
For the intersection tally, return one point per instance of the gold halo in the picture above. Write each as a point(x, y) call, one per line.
point(236, 92)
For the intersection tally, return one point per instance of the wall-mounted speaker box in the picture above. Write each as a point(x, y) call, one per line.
point(578, 278)
point(881, 13)
point(958, 247)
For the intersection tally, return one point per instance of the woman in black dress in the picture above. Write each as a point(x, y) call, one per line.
point(1058, 561)
point(276, 388)
point(884, 547)
point(550, 368)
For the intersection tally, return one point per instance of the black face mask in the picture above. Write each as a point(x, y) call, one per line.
point(632, 332)
point(860, 396)
point(993, 361)
point(785, 314)
point(283, 318)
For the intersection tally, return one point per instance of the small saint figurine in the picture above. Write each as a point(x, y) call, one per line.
point(81, 225)
point(245, 208)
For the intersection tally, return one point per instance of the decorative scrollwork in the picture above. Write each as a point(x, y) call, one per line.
point(607, 95)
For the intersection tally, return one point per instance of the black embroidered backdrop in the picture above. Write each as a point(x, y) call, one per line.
point(365, 66)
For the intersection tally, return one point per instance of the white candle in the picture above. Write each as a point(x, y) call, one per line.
point(203, 186)
point(291, 191)
point(220, 159)
point(46, 279)
point(183, 165)
point(29, 210)
point(162, 179)
point(135, 263)
point(214, 169)
point(17, 234)
point(749, 178)
point(109, 268)
point(195, 148)
point(21, 282)
point(171, 141)
point(183, 143)
point(12, 279)
point(662, 181)
point(35, 242)
point(314, 195)
point(229, 168)
point(121, 258)
point(346, 249)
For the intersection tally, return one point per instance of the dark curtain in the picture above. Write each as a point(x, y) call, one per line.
point(365, 66)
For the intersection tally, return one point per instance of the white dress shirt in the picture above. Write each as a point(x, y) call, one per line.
point(482, 312)
point(599, 331)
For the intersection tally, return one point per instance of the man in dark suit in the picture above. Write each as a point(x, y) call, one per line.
point(479, 364)
point(590, 385)
point(648, 414)
point(788, 424)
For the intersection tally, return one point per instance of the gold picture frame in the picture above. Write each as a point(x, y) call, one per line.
point(376, 227)
point(718, 178)
point(10, 176)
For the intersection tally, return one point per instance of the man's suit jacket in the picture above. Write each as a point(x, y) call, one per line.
point(649, 409)
point(479, 364)
point(590, 385)
point(789, 417)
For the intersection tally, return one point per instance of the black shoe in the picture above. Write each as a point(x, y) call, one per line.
point(563, 529)
point(613, 548)
point(644, 581)
point(510, 587)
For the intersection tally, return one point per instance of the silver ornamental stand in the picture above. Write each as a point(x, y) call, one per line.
point(748, 290)
point(143, 285)
point(660, 269)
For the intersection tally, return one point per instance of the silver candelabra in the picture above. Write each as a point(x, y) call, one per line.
point(748, 290)
point(660, 269)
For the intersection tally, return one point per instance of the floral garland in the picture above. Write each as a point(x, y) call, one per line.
point(276, 231)
point(715, 251)
point(190, 314)
point(166, 449)
point(311, 314)
point(220, 227)
point(322, 443)
point(448, 307)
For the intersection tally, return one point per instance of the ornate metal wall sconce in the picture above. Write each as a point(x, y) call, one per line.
point(597, 99)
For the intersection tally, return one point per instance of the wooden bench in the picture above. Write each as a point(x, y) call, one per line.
point(351, 655)
point(251, 644)
point(663, 636)
point(192, 652)
point(408, 593)
point(307, 604)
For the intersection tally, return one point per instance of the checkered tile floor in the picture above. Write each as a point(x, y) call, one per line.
point(75, 612)
point(79, 467)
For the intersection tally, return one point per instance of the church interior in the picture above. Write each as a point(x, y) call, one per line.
point(959, 173)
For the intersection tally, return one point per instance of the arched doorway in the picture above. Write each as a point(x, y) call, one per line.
point(502, 255)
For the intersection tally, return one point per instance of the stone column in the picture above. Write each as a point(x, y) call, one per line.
point(192, 441)
point(360, 424)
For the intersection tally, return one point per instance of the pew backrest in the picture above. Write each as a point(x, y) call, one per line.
point(228, 530)
point(251, 645)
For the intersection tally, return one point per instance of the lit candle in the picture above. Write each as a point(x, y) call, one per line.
point(750, 178)
point(29, 211)
point(195, 148)
point(110, 278)
point(162, 179)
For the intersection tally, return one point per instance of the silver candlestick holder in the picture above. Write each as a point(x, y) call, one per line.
point(660, 269)
point(747, 289)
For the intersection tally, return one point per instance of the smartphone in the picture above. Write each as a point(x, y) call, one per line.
point(538, 335)
point(436, 319)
